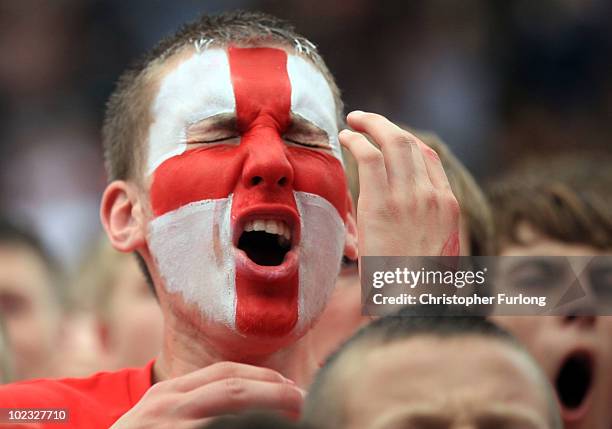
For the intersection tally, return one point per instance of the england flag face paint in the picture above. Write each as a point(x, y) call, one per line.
point(247, 188)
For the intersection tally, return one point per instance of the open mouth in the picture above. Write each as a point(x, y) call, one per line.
point(574, 381)
point(266, 241)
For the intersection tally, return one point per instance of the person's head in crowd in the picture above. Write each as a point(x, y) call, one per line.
point(254, 420)
point(422, 371)
point(232, 214)
point(31, 301)
point(127, 320)
point(562, 206)
point(6, 357)
point(342, 316)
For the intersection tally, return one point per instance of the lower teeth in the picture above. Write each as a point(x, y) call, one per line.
point(283, 242)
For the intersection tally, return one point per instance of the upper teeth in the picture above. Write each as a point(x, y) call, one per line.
point(270, 226)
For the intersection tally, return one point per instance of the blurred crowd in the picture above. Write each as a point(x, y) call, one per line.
point(497, 80)
point(505, 84)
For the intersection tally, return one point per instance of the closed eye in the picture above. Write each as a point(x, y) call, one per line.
point(304, 133)
point(307, 143)
point(212, 140)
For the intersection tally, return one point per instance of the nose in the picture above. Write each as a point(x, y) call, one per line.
point(267, 165)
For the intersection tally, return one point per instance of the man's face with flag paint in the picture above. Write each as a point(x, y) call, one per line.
point(247, 190)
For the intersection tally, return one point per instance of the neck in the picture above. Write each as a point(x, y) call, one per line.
point(186, 349)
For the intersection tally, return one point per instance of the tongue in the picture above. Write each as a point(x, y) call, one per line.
point(574, 381)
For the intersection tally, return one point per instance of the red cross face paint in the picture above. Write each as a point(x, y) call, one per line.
point(248, 189)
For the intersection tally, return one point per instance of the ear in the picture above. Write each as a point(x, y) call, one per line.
point(122, 216)
point(350, 225)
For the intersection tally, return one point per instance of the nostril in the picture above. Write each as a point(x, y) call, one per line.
point(282, 181)
point(256, 180)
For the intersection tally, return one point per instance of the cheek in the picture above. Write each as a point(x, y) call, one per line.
point(525, 329)
point(320, 173)
point(28, 334)
point(199, 174)
point(144, 319)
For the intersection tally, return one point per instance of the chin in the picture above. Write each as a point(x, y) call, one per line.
point(251, 347)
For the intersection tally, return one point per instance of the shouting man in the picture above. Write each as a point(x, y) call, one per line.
point(227, 180)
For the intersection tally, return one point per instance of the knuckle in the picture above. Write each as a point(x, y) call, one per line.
point(158, 388)
point(227, 369)
point(372, 157)
point(288, 394)
point(433, 155)
point(393, 209)
point(431, 198)
point(235, 389)
point(405, 140)
point(453, 206)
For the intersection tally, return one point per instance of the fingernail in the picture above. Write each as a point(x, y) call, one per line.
point(357, 112)
point(290, 381)
point(344, 131)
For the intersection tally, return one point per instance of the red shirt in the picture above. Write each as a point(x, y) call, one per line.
point(93, 402)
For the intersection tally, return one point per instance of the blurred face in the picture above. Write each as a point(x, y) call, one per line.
point(135, 323)
point(247, 191)
point(29, 310)
point(575, 352)
point(466, 382)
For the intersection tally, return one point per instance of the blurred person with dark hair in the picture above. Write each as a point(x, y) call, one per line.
point(342, 316)
point(423, 371)
point(31, 302)
point(227, 181)
point(562, 206)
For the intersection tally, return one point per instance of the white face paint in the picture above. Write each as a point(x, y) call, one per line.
point(182, 243)
point(312, 99)
point(197, 89)
point(201, 87)
point(319, 265)
point(192, 243)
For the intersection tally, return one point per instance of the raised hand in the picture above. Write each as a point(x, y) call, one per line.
point(406, 206)
point(223, 388)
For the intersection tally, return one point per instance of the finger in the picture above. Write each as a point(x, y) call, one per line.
point(224, 370)
point(420, 174)
point(435, 169)
point(370, 163)
point(397, 145)
point(233, 395)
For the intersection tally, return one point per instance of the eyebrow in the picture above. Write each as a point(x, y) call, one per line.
point(222, 121)
point(425, 417)
point(298, 120)
point(549, 264)
point(514, 416)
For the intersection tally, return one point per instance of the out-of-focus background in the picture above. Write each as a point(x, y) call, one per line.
point(497, 80)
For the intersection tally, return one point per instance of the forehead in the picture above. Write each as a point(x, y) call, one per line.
point(446, 376)
point(196, 85)
point(535, 243)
